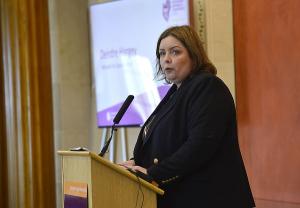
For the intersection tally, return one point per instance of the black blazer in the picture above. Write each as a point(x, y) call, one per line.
point(193, 141)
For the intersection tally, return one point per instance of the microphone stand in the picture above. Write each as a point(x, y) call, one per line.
point(116, 120)
point(104, 149)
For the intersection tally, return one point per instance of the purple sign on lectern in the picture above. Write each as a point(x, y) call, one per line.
point(75, 202)
point(75, 195)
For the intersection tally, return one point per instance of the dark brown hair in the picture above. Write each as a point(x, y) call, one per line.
point(191, 41)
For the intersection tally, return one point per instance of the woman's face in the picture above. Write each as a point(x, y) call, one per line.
point(174, 60)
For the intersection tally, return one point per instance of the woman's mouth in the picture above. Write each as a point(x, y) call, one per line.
point(168, 69)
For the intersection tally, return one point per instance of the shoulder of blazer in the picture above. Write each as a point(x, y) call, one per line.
point(202, 84)
point(197, 80)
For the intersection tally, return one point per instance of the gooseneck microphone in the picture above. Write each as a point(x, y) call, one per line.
point(116, 120)
point(123, 109)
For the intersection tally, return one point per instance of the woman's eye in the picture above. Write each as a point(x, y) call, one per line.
point(174, 52)
point(162, 53)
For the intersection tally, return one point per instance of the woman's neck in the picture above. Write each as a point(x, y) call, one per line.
point(178, 85)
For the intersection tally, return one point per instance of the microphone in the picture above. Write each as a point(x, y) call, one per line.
point(123, 109)
point(116, 120)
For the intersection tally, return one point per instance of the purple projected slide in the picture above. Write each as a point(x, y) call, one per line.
point(123, 44)
point(138, 111)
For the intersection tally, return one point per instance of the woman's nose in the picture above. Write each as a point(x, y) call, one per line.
point(167, 58)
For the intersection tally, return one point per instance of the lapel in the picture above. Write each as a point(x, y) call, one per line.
point(168, 108)
point(164, 111)
point(165, 99)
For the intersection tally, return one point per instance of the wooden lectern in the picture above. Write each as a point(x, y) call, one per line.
point(109, 185)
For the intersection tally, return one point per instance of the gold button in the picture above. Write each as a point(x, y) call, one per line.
point(155, 161)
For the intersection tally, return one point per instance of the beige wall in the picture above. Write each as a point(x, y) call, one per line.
point(219, 33)
point(72, 97)
point(73, 90)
